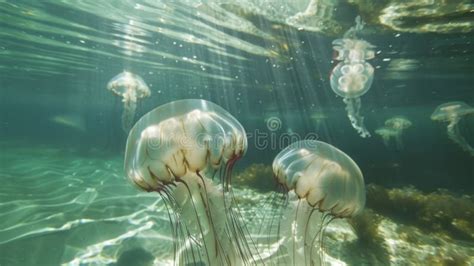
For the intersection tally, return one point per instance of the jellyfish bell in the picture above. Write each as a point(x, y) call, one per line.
point(447, 112)
point(452, 112)
point(185, 150)
point(338, 186)
point(323, 179)
point(127, 83)
point(386, 132)
point(398, 123)
point(130, 87)
point(352, 80)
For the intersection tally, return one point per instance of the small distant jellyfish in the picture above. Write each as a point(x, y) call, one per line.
point(185, 151)
point(131, 88)
point(353, 76)
point(398, 123)
point(387, 134)
point(452, 112)
point(319, 118)
point(320, 181)
point(394, 128)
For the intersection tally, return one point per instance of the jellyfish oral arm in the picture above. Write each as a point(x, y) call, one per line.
point(200, 205)
point(301, 229)
point(399, 141)
point(386, 140)
point(130, 106)
point(354, 29)
point(304, 234)
point(455, 135)
point(353, 106)
point(204, 217)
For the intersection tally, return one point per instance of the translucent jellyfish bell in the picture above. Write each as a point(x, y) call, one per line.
point(324, 179)
point(353, 76)
point(398, 123)
point(352, 80)
point(130, 87)
point(452, 112)
point(185, 150)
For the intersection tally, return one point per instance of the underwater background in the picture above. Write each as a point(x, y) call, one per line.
point(64, 196)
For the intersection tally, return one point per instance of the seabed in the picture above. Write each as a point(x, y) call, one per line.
point(74, 208)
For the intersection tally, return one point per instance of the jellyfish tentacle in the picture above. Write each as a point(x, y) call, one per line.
point(455, 135)
point(317, 236)
point(321, 237)
point(306, 237)
point(294, 233)
point(173, 227)
point(353, 106)
point(399, 142)
point(275, 199)
point(386, 140)
point(128, 114)
point(214, 227)
point(208, 235)
point(238, 233)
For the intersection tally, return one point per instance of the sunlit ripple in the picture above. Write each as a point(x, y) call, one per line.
point(73, 196)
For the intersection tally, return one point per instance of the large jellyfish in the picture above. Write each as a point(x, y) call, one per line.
point(318, 178)
point(353, 76)
point(130, 87)
point(452, 112)
point(185, 150)
point(394, 128)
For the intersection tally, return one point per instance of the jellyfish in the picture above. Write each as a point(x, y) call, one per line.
point(387, 134)
point(130, 87)
point(353, 76)
point(398, 123)
point(350, 81)
point(394, 128)
point(452, 112)
point(185, 151)
point(319, 119)
point(318, 179)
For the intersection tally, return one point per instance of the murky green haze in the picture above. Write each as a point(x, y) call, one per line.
point(64, 198)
